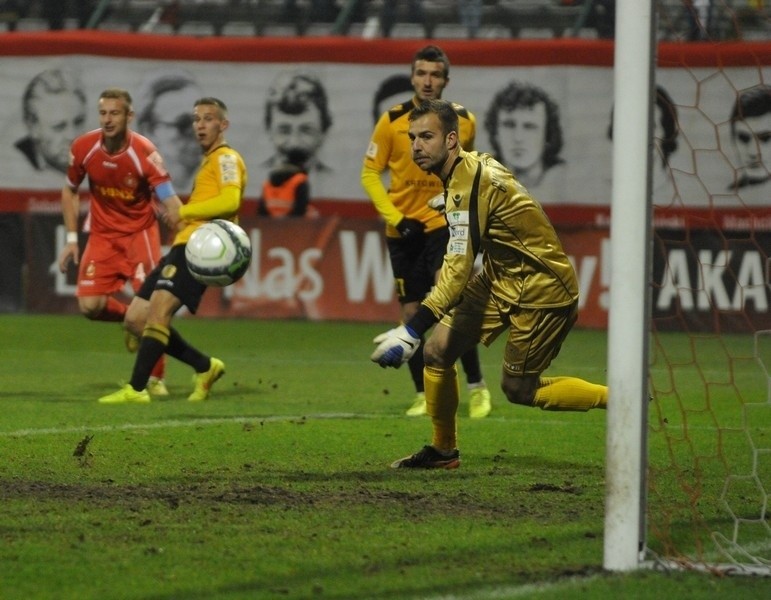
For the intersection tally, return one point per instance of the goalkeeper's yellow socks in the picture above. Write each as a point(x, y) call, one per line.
point(569, 393)
point(442, 399)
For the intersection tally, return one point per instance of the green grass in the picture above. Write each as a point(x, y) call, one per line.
point(279, 486)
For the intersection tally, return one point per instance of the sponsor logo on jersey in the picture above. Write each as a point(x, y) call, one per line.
point(372, 150)
point(109, 165)
point(458, 217)
point(91, 270)
point(229, 169)
point(459, 233)
point(457, 247)
point(169, 271)
point(457, 199)
point(422, 183)
point(157, 160)
point(117, 193)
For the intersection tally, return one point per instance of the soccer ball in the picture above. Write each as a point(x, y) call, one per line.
point(218, 253)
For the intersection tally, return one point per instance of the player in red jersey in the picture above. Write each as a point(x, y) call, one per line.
point(125, 175)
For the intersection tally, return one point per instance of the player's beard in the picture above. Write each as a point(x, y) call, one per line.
point(428, 163)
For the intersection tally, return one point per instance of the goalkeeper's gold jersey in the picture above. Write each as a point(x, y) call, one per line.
point(410, 187)
point(217, 191)
point(488, 209)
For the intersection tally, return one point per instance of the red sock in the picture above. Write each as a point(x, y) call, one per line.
point(159, 370)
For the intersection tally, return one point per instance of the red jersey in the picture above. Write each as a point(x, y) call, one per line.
point(121, 184)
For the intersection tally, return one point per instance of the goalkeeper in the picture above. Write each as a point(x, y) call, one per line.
point(417, 236)
point(526, 286)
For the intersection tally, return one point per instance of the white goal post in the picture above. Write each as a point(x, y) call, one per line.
point(628, 325)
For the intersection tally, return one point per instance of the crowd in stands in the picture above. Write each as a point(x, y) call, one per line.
point(677, 19)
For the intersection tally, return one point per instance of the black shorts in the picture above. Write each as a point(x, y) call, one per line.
point(415, 263)
point(172, 275)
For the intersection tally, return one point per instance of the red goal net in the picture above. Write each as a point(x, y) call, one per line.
point(709, 432)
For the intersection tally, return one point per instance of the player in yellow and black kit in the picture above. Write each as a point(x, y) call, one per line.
point(417, 235)
point(217, 191)
point(527, 286)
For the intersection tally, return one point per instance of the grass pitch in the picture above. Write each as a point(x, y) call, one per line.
point(279, 486)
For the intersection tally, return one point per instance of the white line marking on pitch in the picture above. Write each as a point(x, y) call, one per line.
point(528, 590)
point(176, 423)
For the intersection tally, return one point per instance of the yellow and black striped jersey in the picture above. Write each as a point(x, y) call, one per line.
point(410, 187)
point(488, 209)
point(217, 191)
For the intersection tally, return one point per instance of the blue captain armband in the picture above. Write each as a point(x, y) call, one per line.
point(165, 191)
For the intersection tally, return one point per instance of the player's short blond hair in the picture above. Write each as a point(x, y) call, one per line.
point(118, 94)
point(221, 107)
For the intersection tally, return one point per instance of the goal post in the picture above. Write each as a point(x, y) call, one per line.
point(628, 316)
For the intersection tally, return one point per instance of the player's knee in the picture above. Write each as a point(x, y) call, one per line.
point(518, 391)
point(133, 325)
point(89, 313)
point(136, 316)
point(435, 355)
point(90, 308)
point(431, 354)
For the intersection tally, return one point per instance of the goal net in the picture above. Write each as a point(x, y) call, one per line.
point(709, 419)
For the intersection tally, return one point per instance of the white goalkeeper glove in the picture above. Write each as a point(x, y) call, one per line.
point(395, 347)
point(437, 203)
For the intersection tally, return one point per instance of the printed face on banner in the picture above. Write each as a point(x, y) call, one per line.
point(301, 132)
point(164, 113)
point(522, 136)
point(53, 106)
point(753, 145)
point(325, 113)
point(59, 119)
point(171, 129)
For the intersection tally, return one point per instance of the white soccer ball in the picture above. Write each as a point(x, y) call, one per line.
point(218, 253)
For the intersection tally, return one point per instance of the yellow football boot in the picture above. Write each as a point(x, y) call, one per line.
point(418, 407)
point(479, 403)
point(124, 395)
point(202, 382)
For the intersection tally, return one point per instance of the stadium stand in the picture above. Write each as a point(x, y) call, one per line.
point(727, 19)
